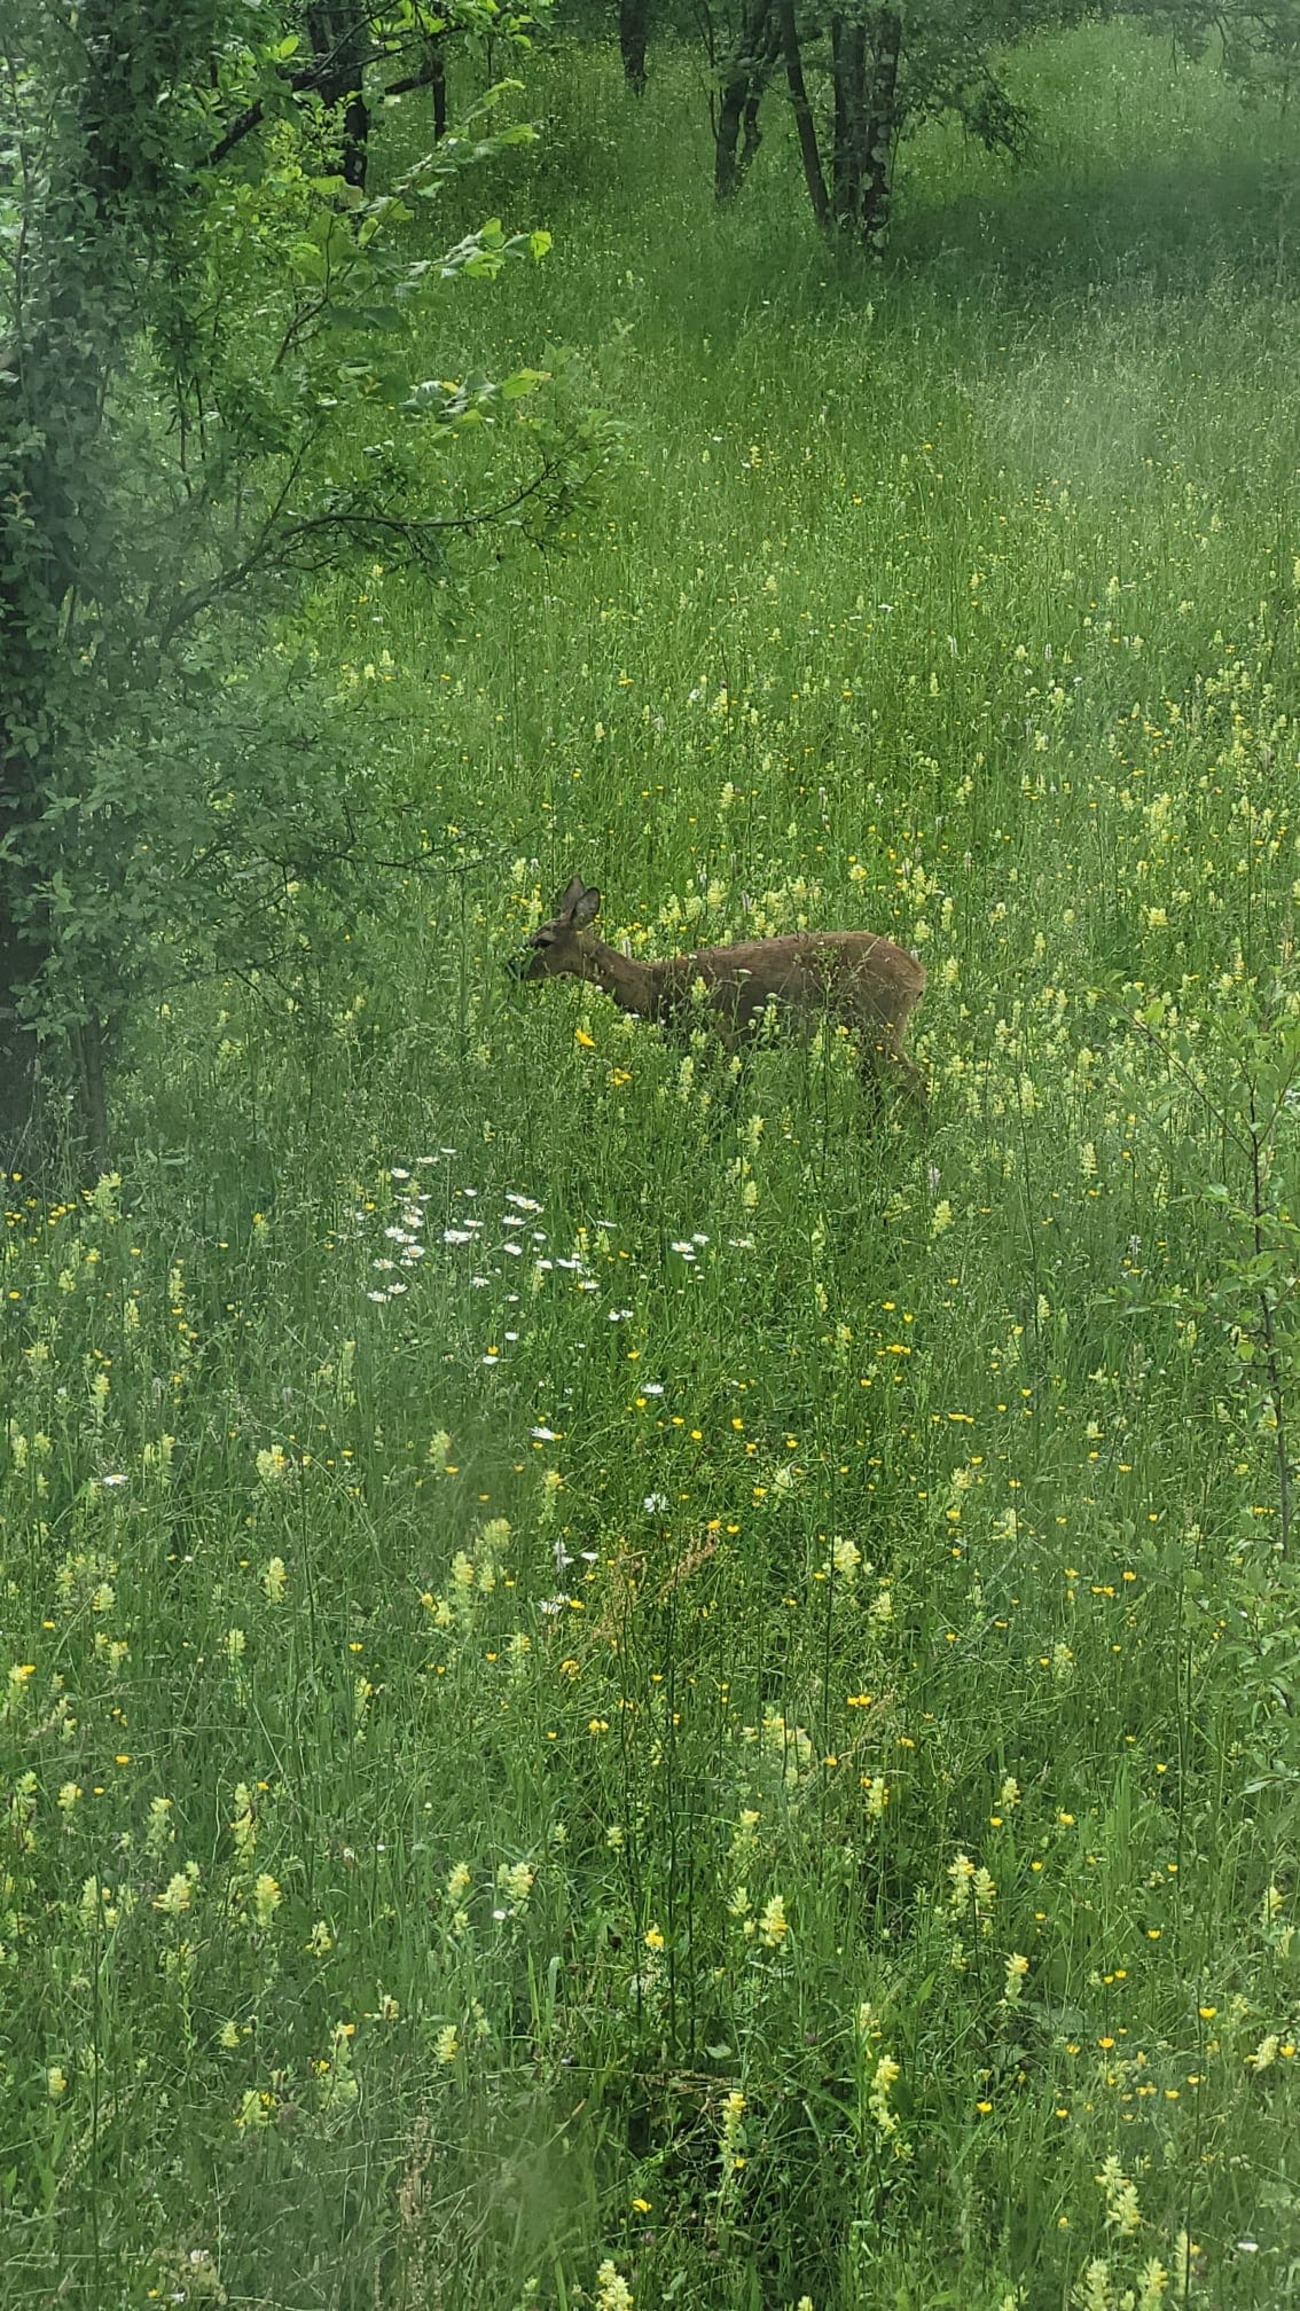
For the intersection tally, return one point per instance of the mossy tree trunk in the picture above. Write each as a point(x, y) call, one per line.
point(340, 36)
point(745, 78)
point(633, 40)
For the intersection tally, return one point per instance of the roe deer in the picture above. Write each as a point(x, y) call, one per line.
point(854, 977)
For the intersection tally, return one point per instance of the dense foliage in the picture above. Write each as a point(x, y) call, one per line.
point(214, 384)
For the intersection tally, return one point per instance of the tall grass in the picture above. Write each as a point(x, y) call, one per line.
point(620, 1681)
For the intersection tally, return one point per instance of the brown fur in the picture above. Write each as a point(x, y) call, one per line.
point(854, 977)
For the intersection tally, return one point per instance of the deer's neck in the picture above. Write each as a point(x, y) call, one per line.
point(633, 986)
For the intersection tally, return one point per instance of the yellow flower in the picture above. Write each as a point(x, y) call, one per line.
point(516, 1882)
point(887, 2074)
point(612, 2290)
point(655, 1938)
point(266, 1898)
point(175, 1897)
point(1122, 2210)
point(584, 1041)
point(774, 1925)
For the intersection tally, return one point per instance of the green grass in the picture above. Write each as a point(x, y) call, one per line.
point(392, 1902)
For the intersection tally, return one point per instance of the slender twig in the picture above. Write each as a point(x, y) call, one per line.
point(416, 532)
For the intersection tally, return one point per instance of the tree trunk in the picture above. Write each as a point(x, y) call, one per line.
point(742, 90)
point(438, 83)
point(72, 330)
point(803, 112)
point(882, 126)
point(340, 37)
point(848, 156)
point(633, 34)
point(19, 1056)
point(431, 75)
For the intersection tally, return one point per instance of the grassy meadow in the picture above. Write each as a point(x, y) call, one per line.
point(621, 1687)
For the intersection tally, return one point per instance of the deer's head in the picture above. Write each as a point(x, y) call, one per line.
point(556, 948)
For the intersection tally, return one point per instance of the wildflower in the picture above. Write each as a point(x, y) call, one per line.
point(320, 1941)
point(886, 2076)
point(1185, 2261)
point(875, 1790)
point(1009, 1794)
point(1153, 2279)
point(56, 2082)
point(275, 1580)
point(266, 1898)
point(732, 2133)
point(962, 1873)
point(446, 2045)
point(1265, 2053)
point(655, 1938)
point(272, 1465)
point(1093, 2290)
point(69, 1796)
point(845, 1558)
point(1122, 2210)
point(1017, 1969)
point(612, 2290)
point(516, 1880)
point(161, 1831)
point(97, 1906)
point(941, 1217)
point(176, 1895)
point(773, 1926)
point(243, 1827)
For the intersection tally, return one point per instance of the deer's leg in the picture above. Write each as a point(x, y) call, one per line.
point(883, 1068)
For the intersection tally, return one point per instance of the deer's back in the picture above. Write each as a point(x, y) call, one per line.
point(855, 974)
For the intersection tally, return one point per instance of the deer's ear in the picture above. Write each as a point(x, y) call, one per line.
point(568, 900)
point(586, 907)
